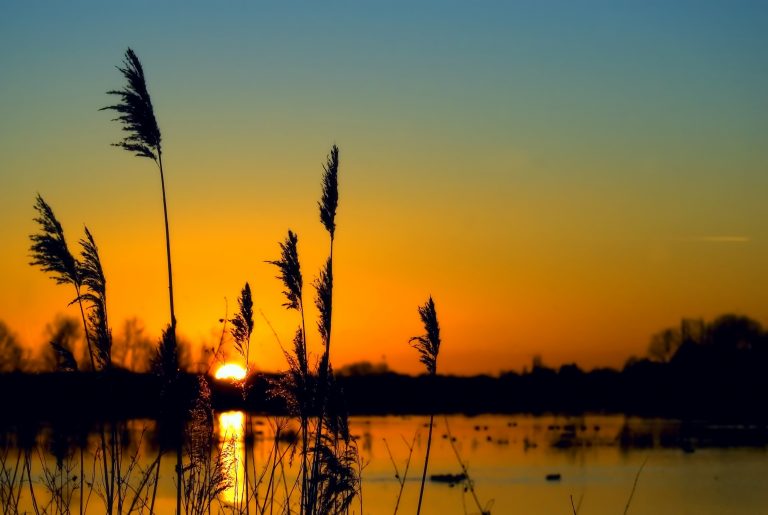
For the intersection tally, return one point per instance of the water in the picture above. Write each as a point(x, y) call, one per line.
point(597, 460)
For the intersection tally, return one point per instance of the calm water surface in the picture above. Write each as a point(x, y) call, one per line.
point(509, 458)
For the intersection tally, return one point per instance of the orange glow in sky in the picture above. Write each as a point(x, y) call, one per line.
point(564, 182)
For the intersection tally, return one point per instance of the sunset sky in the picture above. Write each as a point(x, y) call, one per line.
point(565, 178)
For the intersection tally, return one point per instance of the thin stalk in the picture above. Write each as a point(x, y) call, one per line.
point(634, 485)
point(304, 421)
point(85, 327)
point(173, 316)
point(464, 469)
point(426, 461)
point(400, 479)
point(28, 464)
point(108, 493)
point(157, 480)
point(167, 245)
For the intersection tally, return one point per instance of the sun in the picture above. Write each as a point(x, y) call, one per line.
point(230, 371)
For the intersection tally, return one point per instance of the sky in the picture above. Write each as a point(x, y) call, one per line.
point(564, 178)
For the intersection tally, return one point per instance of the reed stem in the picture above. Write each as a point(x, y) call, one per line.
point(426, 461)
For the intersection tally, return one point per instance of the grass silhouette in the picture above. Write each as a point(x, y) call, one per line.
point(428, 346)
point(329, 475)
point(137, 116)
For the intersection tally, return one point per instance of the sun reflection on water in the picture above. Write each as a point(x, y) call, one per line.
point(231, 431)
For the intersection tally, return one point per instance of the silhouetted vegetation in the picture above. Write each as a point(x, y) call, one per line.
point(699, 370)
point(10, 350)
point(720, 376)
point(428, 346)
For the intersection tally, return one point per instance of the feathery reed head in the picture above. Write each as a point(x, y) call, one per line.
point(290, 271)
point(324, 300)
point(166, 361)
point(428, 344)
point(135, 112)
point(90, 269)
point(330, 198)
point(242, 324)
point(338, 480)
point(296, 386)
point(92, 277)
point(49, 248)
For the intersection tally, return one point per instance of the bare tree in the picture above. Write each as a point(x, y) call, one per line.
point(10, 350)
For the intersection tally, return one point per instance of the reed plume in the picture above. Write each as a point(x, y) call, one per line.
point(290, 271)
point(242, 327)
point(324, 301)
point(135, 111)
point(328, 203)
point(50, 252)
point(49, 248)
point(330, 197)
point(337, 480)
point(428, 346)
point(242, 323)
point(92, 276)
point(290, 275)
point(137, 117)
point(295, 387)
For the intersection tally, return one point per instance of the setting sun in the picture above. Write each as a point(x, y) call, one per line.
point(231, 371)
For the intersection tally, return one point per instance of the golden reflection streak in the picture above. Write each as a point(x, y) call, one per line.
point(232, 454)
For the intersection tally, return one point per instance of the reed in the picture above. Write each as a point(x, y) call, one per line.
point(137, 116)
point(204, 478)
point(401, 478)
point(469, 484)
point(428, 346)
point(295, 387)
point(331, 482)
point(86, 274)
point(242, 328)
point(50, 252)
point(327, 205)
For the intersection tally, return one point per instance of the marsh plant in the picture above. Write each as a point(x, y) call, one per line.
point(428, 346)
point(137, 116)
point(327, 479)
point(112, 483)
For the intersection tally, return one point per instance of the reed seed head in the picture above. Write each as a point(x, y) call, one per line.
point(134, 111)
point(428, 344)
point(49, 247)
point(330, 199)
point(290, 271)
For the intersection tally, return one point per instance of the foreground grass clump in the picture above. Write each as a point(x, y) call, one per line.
point(328, 475)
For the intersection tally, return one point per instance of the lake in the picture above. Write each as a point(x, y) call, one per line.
point(517, 463)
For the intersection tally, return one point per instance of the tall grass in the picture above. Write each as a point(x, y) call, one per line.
point(328, 479)
point(296, 385)
point(428, 346)
point(137, 116)
point(50, 252)
point(328, 483)
point(242, 328)
point(86, 273)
